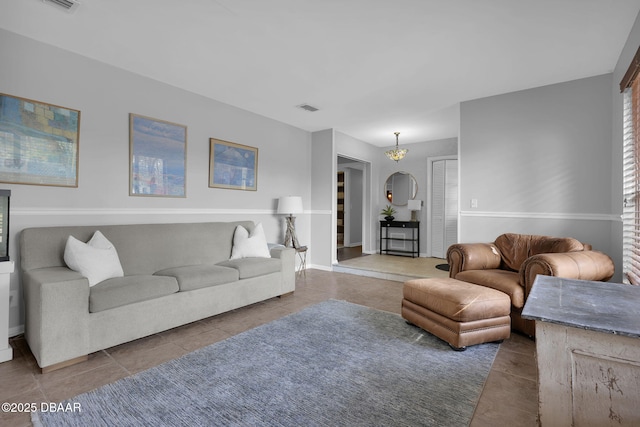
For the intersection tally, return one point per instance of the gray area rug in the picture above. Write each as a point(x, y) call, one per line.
point(332, 364)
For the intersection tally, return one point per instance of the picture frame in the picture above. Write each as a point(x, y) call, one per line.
point(232, 166)
point(158, 157)
point(39, 142)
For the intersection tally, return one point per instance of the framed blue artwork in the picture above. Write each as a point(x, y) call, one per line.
point(158, 157)
point(232, 166)
point(38, 143)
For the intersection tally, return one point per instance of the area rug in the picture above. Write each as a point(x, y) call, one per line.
point(332, 364)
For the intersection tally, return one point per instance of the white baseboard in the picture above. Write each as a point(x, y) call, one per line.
point(16, 330)
point(319, 267)
point(353, 245)
point(6, 354)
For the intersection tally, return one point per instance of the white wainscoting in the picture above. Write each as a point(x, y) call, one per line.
point(542, 215)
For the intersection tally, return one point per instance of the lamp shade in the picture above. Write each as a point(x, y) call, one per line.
point(414, 205)
point(290, 205)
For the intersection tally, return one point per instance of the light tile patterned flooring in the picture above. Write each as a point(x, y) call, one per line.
point(509, 396)
point(394, 267)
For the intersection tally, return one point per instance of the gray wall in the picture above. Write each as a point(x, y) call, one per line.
point(539, 161)
point(323, 204)
point(106, 95)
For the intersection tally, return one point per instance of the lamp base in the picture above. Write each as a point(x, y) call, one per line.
point(290, 238)
point(414, 216)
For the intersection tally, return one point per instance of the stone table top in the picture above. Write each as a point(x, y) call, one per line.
point(612, 308)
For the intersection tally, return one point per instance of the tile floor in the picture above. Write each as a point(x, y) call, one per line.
point(509, 396)
point(393, 267)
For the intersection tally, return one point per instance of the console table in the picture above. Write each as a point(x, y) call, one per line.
point(588, 351)
point(413, 238)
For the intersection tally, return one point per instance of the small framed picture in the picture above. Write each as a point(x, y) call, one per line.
point(232, 166)
point(158, 157)
point(38, 143)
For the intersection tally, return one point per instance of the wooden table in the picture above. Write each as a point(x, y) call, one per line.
point(588, 351)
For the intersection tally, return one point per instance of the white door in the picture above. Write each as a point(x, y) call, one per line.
point(444, 206)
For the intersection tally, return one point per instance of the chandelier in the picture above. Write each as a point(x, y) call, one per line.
point(397, 153)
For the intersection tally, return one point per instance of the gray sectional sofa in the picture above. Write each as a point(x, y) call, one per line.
point(174, 274)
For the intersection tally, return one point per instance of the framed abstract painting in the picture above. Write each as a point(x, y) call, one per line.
point(232, 166)
point(158, 157)
point(38, 142)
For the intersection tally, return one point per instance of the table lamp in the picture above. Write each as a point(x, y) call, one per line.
point(290, 205)
point(414, 206)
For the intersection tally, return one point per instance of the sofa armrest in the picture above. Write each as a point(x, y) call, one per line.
point(472, 256)
point(56, 314)
point(272, 246)
point(288, 258)
point(581, 265)
point(277, 251)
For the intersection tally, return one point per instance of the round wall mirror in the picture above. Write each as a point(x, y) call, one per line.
point(400, 188)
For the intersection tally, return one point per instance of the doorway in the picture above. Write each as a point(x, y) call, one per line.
point(350, 208)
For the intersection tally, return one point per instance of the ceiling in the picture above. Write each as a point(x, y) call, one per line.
point(371, 67)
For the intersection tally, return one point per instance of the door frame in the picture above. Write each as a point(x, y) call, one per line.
point(430, 161)
point(365, 167)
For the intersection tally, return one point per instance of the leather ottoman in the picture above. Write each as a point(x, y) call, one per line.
point(460, 313)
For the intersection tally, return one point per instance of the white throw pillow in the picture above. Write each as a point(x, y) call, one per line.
point(97, 260)
point(245, 245)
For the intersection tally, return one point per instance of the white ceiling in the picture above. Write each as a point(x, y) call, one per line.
point(372, 67)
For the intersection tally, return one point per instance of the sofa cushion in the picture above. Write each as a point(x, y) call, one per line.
point(97, 260)
point(192, 277)
point(120, 291)
point(516, 248)
point(252, 267)
point(246, 245)
point(502, 280)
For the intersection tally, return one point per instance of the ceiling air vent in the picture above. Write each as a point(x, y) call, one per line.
point(68, 5)
point(308, 107)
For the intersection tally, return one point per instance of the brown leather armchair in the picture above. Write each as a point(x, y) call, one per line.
point(512, 262)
